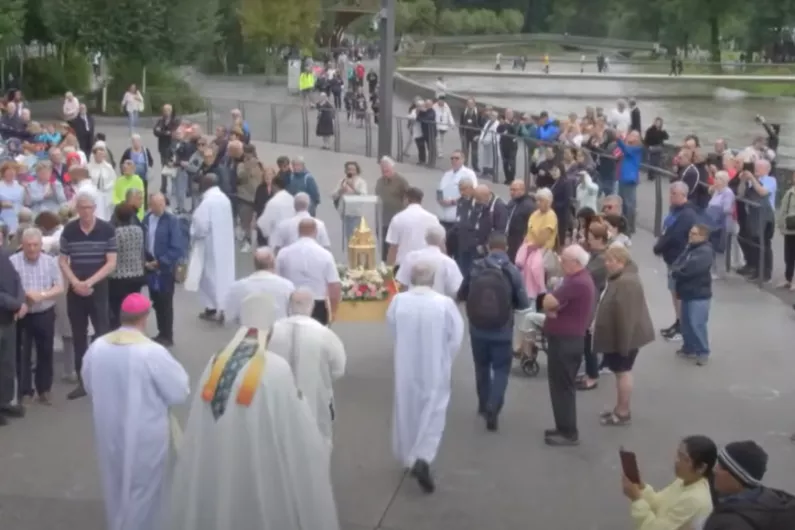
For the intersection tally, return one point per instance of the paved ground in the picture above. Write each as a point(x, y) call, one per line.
point(48, 476)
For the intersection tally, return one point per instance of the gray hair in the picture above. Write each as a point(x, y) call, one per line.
point(722, 176)
point(25, 213)
point(302, 302)
point(576, 252)
point(544, 193)
point(298, 160)
point(423, 274)
point(301, 202)
point(86, 195)
point(435, 235)
point(132, 192)
point(41, 165)
point(32, 233)
point(264, 259)
point(466, 182)
point(387, 160)
point(614, 198)
point(680, 187)
point(135, 136)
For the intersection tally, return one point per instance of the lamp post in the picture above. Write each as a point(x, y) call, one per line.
point(386, 76)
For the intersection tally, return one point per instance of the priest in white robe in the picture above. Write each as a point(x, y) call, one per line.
point(286, 232)
point(252, 457)
point(447, 278)
point(428, 330)
point(279, 207)
point(315, 354)
point(211, 269)
point(489, 145)
point(132, 381)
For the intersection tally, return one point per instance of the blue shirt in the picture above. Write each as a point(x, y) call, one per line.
point(13, 193)
point(39, 203)
point(151, 232)
point(771, 185)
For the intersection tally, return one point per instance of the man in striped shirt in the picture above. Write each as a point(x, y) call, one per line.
point(88, 256)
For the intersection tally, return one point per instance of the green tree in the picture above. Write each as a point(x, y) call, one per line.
point(451, 22)
point(512, 20)
point(12, 22)
point(191, 28)
point(279, 22)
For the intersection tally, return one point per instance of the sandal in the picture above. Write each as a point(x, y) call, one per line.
point(614, 420)
point(582, 385)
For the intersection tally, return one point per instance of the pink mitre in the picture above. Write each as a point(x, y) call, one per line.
point(135, 303)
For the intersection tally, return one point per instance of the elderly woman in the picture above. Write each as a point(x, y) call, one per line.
point(12, 196)
point(45, 194)
point(535, 257)
point(141, 157)
point(720, 214)
point(622, 326)
point(128, 277)
point(70, 144)
point(128, 180)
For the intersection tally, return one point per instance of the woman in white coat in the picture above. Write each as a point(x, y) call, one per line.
point(102, 174)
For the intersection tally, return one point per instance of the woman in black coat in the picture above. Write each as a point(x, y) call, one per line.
point(326, 114)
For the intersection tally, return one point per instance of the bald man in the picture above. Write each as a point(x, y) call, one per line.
point(491, 215)
point(519, 209)
point(263, 281)
point(165, 248)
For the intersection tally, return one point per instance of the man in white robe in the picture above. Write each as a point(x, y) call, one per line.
point(428, 330)
point(489, 145)
point(315, 354)
point(211, 269)
point(132, 381)
point(447, 278)
point(286, 232)
point(278, 208)
point(263, 280)
point(251, 457)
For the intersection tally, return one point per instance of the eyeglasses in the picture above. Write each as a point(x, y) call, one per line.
point(455, 158)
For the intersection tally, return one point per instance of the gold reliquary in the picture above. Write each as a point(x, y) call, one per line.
point(361, 248)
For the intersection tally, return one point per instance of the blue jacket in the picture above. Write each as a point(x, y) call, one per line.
point(548, 132)
point(692, 272)
point(630, 164)
point(170, 247)
point(676, 231)
point(303, 181)
point(500, 260)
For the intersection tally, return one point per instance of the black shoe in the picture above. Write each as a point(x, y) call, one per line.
point(748, 273)
point(561, 440)
point(77, 393)
point(208, 314)
point(163, 341)
point(422, 472)
point(491, 422)
point(744, 270)
point(12, 411)
point(551, 432)
point(3, 420)
point(670, 330)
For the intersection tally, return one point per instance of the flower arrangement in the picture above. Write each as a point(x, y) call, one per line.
point(362, 285)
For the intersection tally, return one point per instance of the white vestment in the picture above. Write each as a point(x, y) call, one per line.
point(103, 176)
point(132, 381)
point(277, 289)
point(279, 207)
point(213, 231)
point(260, 465)
point(317, 358)
point(428, 330)
point(286, 232)
point(488, 145)
point(104, 205)
point(447, 278)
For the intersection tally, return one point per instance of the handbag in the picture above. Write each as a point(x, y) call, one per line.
point(789, 219)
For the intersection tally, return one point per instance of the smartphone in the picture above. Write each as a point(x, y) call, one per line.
point(629, 465)
point(748, 166)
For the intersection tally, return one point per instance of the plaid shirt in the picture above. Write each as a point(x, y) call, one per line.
point(39, 276)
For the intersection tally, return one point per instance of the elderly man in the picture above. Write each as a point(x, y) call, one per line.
point(447, 278)
point(277, 469)
point(447, 195)
point(407, 230)
point(315, 354)
point(263, 280)
point(83, 125)
point(307, 264)
point(464, 229)
point(211, 269)
point(519, 209)
point(281, 206)
point(12, 307)
point(88, 256)
point(239, 123)
point(490, 215)
point(303, 181)
point(612, 205)
point(134, 198)
point(166, 247)
point(391, 188)
point(132, 381)
point(759, 189)
point(43, 283)
point(569, 310)
point(286, 232)
point(164, 129)
point(427, 329)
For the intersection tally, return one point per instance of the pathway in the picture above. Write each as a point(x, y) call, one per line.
point(502, 481)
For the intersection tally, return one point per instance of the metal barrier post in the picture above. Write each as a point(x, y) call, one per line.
point(210, 114)
point(274, 124)
point(760, 271)
point(368, 138)
point(658, 204)
point(728, 251)
point(304, 126)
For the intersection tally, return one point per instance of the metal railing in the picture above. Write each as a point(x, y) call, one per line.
point(552, 38)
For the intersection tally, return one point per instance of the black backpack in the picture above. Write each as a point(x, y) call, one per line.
point(490, 299)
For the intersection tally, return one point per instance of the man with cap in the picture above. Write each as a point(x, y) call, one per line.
point(252, 456)
point(132, 381)
point(743, 502)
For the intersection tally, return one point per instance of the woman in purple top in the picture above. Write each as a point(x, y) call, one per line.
point(720, 212)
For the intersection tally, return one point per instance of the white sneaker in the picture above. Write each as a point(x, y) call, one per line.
point(246, 248)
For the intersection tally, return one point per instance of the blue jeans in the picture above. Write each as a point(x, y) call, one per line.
point(132, 120)
point(493, 358)
point(180, 189)
point(695, 317)
point(629, 197)
point(350, 224)
point(464, 260)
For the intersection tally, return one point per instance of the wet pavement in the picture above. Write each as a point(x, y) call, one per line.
point(503, 481)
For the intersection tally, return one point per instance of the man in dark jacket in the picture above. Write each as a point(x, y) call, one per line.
point(673, 241)
point(743, 502)
point(464, 228)
point(470, 124)
point(490, 215)
point(508, 129)
point(426, 117)
point(12, 308)
point(164, 132)
point(692, 275)
point(520, 207)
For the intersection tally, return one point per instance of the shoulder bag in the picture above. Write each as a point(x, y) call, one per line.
point(789, 219)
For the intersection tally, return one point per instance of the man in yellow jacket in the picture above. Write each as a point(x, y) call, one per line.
point(127, 181)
